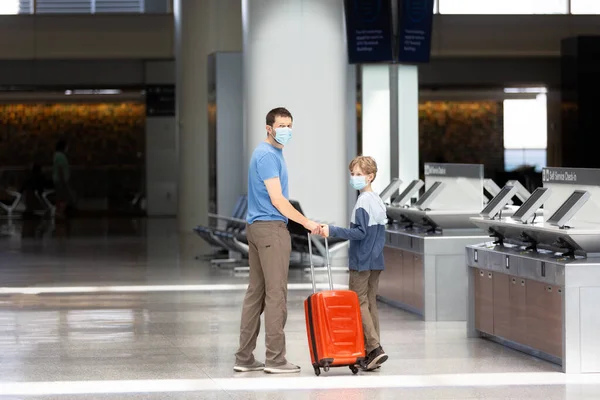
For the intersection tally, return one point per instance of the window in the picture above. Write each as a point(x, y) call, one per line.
point(25, 6)
point(505, 6)
point(119, 6)
point(9, 7)
point(585, 7)
point(89, 6)
point(63, 7)
point(525, 132)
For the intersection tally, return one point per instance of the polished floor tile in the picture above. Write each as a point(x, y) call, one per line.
point(128, 310)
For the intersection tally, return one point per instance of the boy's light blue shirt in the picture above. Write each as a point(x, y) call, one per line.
point(366, 233)
point(267, 162)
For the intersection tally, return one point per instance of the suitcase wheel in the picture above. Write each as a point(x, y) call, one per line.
point(317, 370)
point(354, 370)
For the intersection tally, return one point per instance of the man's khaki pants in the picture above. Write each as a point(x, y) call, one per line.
point(270, 246)
point(365, 284)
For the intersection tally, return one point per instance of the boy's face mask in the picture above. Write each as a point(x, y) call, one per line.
point(358, 182)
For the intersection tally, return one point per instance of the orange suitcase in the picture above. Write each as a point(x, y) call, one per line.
point(333, 324)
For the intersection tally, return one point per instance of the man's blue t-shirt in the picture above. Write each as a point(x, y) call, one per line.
point(267, 162)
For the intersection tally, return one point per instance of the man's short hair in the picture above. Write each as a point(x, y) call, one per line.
point(366, 164)
point(277, 112)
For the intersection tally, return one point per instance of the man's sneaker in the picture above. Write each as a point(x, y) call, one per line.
point(375, 358)
point(287, 368)
point(255, 366)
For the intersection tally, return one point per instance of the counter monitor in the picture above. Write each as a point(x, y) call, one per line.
point(497, 203)
point(532, 204)
point(390, 189)
point(569, 208)
point(429, 195)
point(491, 187)
point(522, 193)
point(405, 196)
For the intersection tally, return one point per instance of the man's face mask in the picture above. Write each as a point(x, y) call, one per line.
point(283, 135)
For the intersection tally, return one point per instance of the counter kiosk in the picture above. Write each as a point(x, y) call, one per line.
point(424, 254)
point(493, 189)
point(535, 286)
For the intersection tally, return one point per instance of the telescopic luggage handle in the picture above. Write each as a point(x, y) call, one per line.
point(312, 264)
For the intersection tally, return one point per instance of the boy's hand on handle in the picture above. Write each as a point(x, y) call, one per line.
point(325, 231)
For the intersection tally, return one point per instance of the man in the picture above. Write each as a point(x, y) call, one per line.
point(269, 245)
point(61, 175)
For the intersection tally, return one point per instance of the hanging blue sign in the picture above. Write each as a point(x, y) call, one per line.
point(369, 31)
point(414, 30)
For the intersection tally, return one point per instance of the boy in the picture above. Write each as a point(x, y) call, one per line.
point(367, 239)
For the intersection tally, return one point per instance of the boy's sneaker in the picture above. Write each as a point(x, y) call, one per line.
point(287, 368)
point(375, 358)
point(255, 366)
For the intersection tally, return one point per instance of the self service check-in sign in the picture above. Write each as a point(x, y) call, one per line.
point(579, 176)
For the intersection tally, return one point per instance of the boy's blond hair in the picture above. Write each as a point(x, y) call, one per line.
point(366, 164)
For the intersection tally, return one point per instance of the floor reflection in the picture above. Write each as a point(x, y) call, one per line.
point(68, 336)
point(37, 227)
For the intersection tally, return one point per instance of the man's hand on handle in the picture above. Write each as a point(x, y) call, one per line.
point(316, 229)
point(313, 227)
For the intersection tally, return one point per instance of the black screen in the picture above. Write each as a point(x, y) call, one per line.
point(428, 194)
point(566, 206)
point(390, 188)
point(402, 198)
point(531, 201)
point(496, 200)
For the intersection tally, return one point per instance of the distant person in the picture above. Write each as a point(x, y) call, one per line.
point(269, 246)
point(365, 257)
point(34, 183)
point(61, 175)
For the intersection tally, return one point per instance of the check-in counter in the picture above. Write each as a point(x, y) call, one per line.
point(516, 297)
point(537, 302)
point(425, 272)
point(536, 288)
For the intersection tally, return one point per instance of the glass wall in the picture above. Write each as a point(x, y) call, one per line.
point(461, 131)
point(503, 6)
point(464, 7)
point(106, 148)
point(506, 130)
point(9, 7)
point(525, 132)
point(515, 7)
point(585, 6)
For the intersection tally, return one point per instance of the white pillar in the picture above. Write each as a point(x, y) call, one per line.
point(376, 120)
point(295, 57)
point(351, 125)
point(408, 123)
point(161, 140)
point(201, 28)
